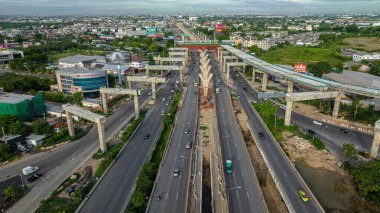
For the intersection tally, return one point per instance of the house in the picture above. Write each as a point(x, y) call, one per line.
point(35, 140)
point(58, 126)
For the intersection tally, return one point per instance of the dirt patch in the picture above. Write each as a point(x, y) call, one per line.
point(368, 44)
point(271, 194)
point(300, 149)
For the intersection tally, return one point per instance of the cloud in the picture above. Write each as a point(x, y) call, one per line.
point(83, 7)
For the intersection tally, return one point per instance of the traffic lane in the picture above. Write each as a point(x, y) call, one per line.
point(241, 190)
point(112, 193)
point(286, 174)
point(49, 160)
point(327, 134)
point(173, 189)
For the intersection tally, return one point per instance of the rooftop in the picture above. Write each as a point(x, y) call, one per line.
point(35, 137)
point(12, 98)
point(78, 70)
point(79, 58)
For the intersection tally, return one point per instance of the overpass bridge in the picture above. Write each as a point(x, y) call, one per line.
point(300, 78)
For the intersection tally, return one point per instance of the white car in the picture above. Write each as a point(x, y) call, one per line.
point(317, 122)
point(29, 170)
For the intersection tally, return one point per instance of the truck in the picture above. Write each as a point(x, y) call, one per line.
point(29, 170)
point(228, 166)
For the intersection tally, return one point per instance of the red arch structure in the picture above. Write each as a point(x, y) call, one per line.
point(200, 46)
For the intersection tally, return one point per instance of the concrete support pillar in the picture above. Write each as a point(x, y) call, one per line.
point(137, 108)
point(264, 82)
point(336, 107)
point(228, 74)
point(70, 123)
point(253, 74)
point(288, 113)
point(102, 137)
point(130, 87)
point(181, 76)
point(162, 72)
point(290, 87)
point(104, 103)
point(243, 69)
point(375, 144)
point(146, 71)
point(154, 90)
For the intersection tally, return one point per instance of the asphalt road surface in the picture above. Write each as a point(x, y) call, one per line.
point(330, 134)
point(243, 190)
point(174, 190)
point(59, 163)
point(114, 191)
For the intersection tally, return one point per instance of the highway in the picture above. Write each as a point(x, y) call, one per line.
point(174, 191)
point(59, 163)
point(296, 77)
point(243, 190)
point(114, 191)
point(328, 133)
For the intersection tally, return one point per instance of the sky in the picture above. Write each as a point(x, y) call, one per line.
point(125, 7)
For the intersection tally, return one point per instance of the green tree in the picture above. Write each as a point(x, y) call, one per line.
point(375, 68)
point(348, 151)
point(111, 80)
point(267, 109)
point(320, 68)
point(5, 152)
point(255, 49)
point(14, 193)
point(41, 127)
point(77, 97)
point(19, 127)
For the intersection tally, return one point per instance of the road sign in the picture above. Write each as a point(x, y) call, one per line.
point(300, 67)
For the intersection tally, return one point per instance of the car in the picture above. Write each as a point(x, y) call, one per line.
point(318, 123)
point(146, 136)
point(173, 91)
point(34, 177)
point(187, 131)
point(29, 170)
point(195, 93)
point(163, 99)
point(149, 93)
point(167, 103)
point(303, 196)
point(176, 172)
point(188, 145)
point(261, 136)
point(170, 97)
point(345, 131)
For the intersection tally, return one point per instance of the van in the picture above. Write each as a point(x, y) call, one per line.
point(29, 170)
point(188, 145)
point(217, 90)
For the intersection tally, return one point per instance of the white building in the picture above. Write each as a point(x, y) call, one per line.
point(360, 56)
point(80, 61)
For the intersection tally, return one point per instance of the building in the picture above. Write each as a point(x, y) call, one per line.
point(80, 61)
point(35, 140)
point(138, 62)
point(26, 107)
point(7, 55)
point(363, 56)
point(86, 81)
point(91, 103)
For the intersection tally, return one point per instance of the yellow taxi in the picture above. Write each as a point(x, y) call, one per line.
point(303, 196)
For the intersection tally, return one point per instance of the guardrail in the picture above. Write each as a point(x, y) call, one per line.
point(273, 173)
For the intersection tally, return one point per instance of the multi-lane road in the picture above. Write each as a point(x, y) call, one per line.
point(115, 189)
point(328, 133)
point(59, 163)
point(243, 190)
point(173, 190)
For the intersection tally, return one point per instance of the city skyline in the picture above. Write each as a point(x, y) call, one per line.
point(124, 7)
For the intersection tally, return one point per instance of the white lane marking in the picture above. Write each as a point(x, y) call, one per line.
point(283, 171)
point(167, 194)
point(247, 194)
point(177, 196)
point(237, 194)
point(242, 173)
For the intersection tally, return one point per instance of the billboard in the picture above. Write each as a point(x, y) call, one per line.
point(122, 57)
point(300, 67)
point(220, 28)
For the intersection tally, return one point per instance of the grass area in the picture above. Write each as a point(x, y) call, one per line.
point(277, 127)
point(146, 178)
point(293, 54)
point(363, 43)
point(63, 137)
point(56, 204)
